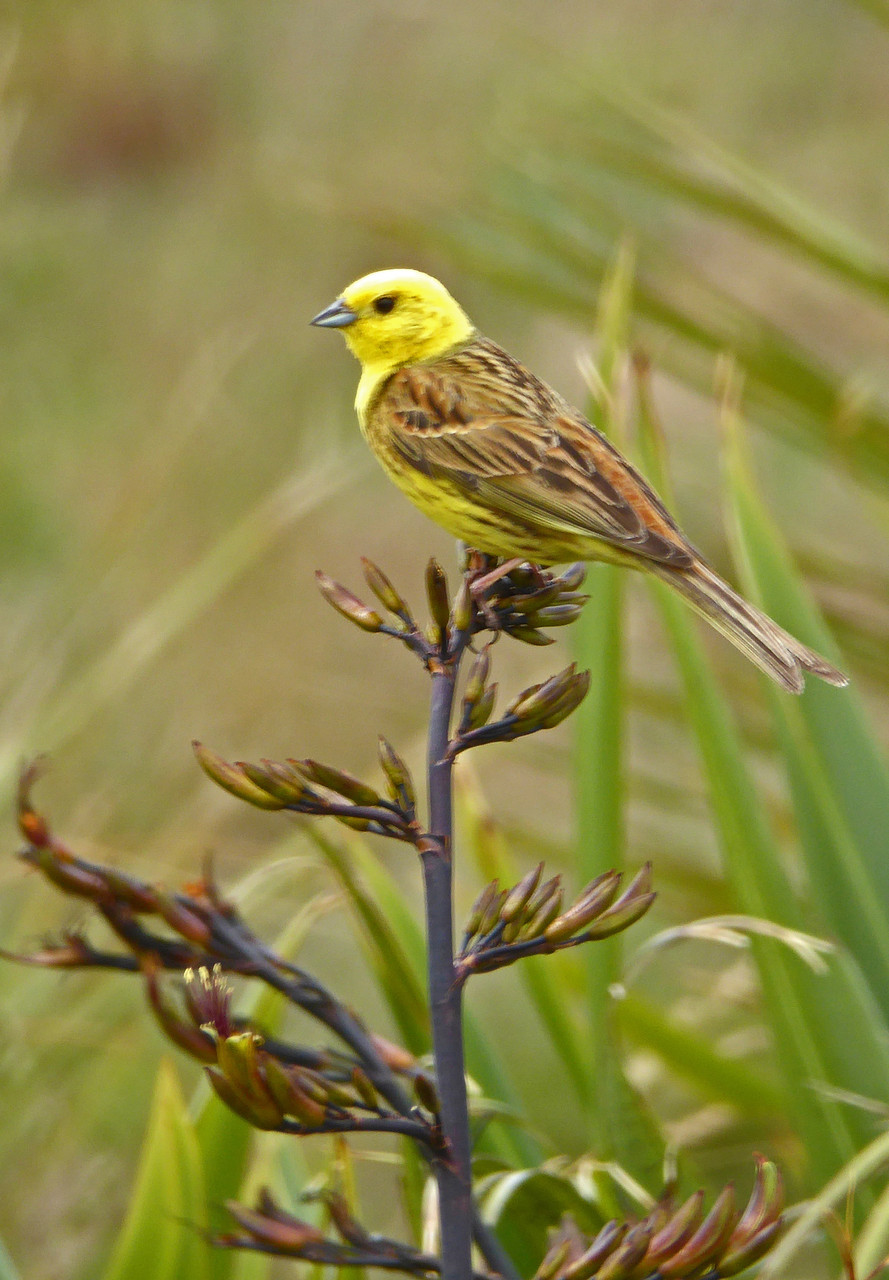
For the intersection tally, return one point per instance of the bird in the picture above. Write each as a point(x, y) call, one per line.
point(500, 460)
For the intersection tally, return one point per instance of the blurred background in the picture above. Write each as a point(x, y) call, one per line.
point(184, 185)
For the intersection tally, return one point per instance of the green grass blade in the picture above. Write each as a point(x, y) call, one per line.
point(872, 1241)
point(158, 1234)
point(823, 1025)
point(839, 780)
point(620, 1127)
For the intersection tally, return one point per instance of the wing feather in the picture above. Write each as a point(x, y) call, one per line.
point(484, 423)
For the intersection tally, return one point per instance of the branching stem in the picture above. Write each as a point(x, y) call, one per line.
point(454, 1175)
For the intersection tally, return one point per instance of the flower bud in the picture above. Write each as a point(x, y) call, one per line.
point(480, 713)
point(232, 779)
point(401, 788)
point(544, 914)
point(183, 921)
point(463, 606)
point(593, 901)
point(675, 1233)
point(344, 784)
point(605, 1243)
point(362, 1085)
point(629, 1253)
point(279, 1231)
point(261, 1114)
point(765, 1203)
point(517, 899)
point(553, 1261)
point(573, 577)
point(348, 604)
point(707, 1242)
point(630, 906)
point(439, 598)
point(383, 589)
point(556, 615)
point(477, 678)
point(530, 635)
point(480, 907)
point(740, 1258)
point(491, 917)
point(426, 1093)
point(536, 599)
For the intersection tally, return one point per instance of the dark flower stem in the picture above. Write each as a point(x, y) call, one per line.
point(453, 1174)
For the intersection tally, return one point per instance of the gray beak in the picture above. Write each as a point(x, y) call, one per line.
point(337, 316)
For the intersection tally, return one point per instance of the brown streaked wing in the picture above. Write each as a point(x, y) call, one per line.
point(482, 421)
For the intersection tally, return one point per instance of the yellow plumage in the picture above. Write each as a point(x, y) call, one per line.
point(499, 459)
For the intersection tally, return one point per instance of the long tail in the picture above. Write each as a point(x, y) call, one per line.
point(781, 656)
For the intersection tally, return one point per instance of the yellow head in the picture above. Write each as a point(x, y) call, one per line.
point(395, 318)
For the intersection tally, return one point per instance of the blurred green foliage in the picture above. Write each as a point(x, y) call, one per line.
point(184, 186)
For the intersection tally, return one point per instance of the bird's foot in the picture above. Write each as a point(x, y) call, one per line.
point(480, 585)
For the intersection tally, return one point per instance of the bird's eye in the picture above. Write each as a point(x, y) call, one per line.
point(384, 305)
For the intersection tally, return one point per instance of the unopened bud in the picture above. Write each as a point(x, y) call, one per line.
point(64, 871)
point(573, 577)
point(556, 615)
point(519, 897)
point(344, 784)
point(401, 787)
point(232, 779)
point(426, 1094)
point(31, 824)
point(543, 916)
point(739, 1259)
point(463, 604)
point(362, 1085)
point(708, 1241)
point(540, 698)
point(394, 1056)
point(261, 1114)
point(478, 677)
point(480, 713)
point(480, 907)
point(492, 916)
point(553, 1261)
point(680, 1229)
point(586, 1266)
point(348, 604)
point(535, 600)
point(282, 781)
point(439, 598)
point(629, 907)
point(569, 702)
point(279, 1231)
point(183, 921)
point(530, 635)
point(383, 588)
point(620, 1264)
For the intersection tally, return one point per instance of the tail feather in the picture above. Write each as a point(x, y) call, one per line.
point(772, 648)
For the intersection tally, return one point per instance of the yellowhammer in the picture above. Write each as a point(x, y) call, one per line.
point(502, 461)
